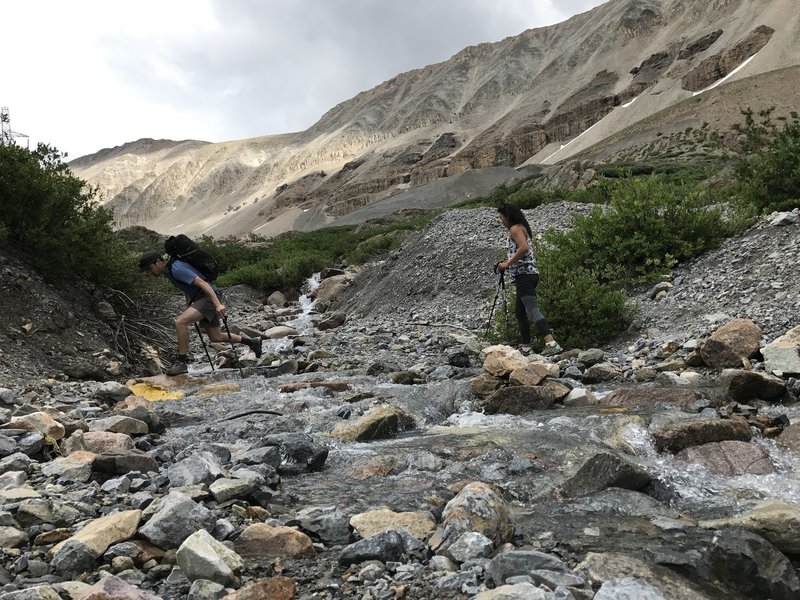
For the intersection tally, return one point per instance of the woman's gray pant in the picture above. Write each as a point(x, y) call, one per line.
point(526, 308)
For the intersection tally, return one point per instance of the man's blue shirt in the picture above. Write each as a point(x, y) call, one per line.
point(182, 274)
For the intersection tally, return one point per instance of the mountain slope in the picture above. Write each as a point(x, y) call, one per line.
point(491, 105)
point(686, 128)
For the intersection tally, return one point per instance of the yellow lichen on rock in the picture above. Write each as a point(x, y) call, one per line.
point(155, 393)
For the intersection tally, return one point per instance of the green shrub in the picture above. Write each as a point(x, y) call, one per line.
point(287, 260)
point(529, 197)
point(231, 253)
point(377, 245)
point(649, 225)
point(681, 171)
point(581, 311)
point(53, 216)
point(768, 169)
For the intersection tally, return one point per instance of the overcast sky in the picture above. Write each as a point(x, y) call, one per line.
point(92, 74)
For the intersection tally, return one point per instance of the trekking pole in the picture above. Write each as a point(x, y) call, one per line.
point(202, 341)
point(236, 356)
point(501, 287)
point(505, 306)
point(491, 310)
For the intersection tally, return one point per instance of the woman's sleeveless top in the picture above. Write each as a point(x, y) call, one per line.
point(524, 266)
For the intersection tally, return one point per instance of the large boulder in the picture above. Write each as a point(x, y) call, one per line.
point(418, 524)
point(773, 520)
point(602, 471)
point(520, 399)
point(265, 541)
point(602, 567)
point(789, 439)
point(118, 462)
point(501, 360)
point(200, 556)
point(729, 458)
point(601, 373)
point(386, 546)
point(484, 385)
point(674, 437)
point(379, 423)
point(96, 442)
point(477, 507)
point(752, 566)
point(782, 355)
point(176, 518)
point(274, 588)
point(744, 386)
point(331, 288)
point(641, 396)
point(532, 374)
point(100, 533)
point(38, 422)
point(727, 346)
point(112, 587)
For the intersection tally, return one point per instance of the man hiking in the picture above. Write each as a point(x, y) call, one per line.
point(203, 306)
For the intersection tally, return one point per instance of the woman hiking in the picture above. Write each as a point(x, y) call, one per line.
point(521, 265)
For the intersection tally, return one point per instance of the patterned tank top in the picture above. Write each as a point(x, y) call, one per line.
point(524, 266)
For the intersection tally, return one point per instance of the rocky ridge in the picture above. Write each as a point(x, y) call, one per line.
point(525, 98)
point(385, 452)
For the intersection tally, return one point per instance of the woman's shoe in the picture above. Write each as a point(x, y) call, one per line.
point(552, 350)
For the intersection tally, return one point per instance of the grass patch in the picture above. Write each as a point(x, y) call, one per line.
point(287, 260)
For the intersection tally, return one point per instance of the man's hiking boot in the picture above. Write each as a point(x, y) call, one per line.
point(173, 357)
point(178, 368)
point(552, 350)
point(254, 343)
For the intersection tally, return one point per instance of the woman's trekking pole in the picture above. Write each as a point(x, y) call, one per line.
point(505, 306)
point(501, 287)
point(202, 341)
point(236, 356)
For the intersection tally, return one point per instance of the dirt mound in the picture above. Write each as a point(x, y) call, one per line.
point(48, 329)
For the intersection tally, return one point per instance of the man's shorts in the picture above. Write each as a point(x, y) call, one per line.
point(206, 308)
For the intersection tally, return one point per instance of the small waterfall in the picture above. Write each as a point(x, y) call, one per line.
point(309, 287)
point(303, 321)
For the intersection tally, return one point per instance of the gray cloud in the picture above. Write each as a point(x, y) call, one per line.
point(273, 66)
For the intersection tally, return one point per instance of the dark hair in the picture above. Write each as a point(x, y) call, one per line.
point(515, 216)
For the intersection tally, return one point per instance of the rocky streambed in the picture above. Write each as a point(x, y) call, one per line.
point(367, 459)
point(379, 450)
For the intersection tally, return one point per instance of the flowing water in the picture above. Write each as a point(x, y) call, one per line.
point(528, 457)
point(301, 321)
